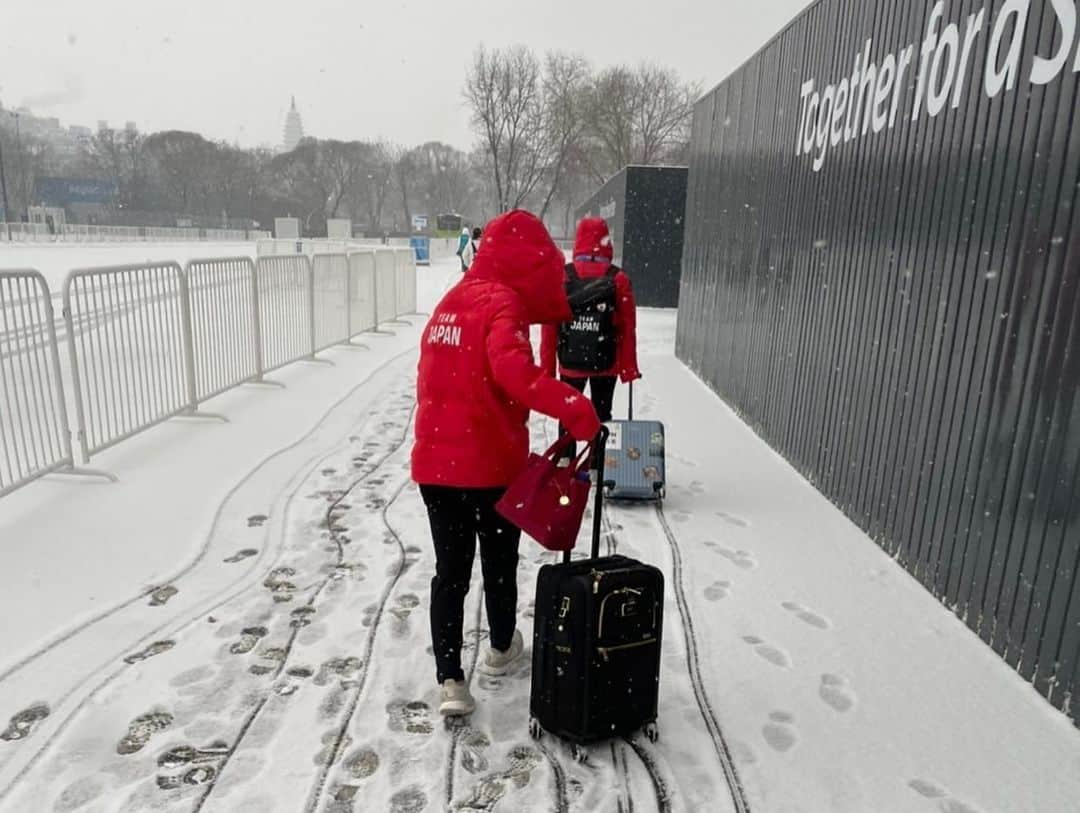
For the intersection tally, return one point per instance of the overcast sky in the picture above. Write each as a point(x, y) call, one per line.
point(359, 69)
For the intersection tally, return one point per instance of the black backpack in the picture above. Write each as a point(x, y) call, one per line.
point(587, 343)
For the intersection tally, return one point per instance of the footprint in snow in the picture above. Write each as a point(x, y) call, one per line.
point(409, 800)
point(194, 765)
point(279, 585)
point(413, 717)
point(22, 725)
point(160, 596)
point(332, 749)
point(153, 649)
point(344, 668)
point(141, 729)
point(257, 520)
point(773, 654)
point(948, 803)
point(486, 793)
point(740, 558)
point(780, 732)
point(927, 789)
point(472, 745)
point(807, 616)
point(836, 692)
point(241, 555)
point(717, 591)
point(362, 763)
point(301, 617)
point(733, 520)
point(249, 637)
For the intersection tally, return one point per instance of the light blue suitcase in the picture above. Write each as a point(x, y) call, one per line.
point(634, 464)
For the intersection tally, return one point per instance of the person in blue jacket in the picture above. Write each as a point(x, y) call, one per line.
point(463, 241)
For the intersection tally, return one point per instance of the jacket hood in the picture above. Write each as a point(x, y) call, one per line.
point(517, 251)
point(465, 231)
point(593, 239)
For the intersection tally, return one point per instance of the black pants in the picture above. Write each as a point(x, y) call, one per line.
point(602, 393)
point(459, 516)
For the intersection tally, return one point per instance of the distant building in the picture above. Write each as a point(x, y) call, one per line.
point(294, 129)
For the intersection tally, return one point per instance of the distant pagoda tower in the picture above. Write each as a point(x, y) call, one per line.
point(294, 129)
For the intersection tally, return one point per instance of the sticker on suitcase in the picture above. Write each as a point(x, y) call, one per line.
point(614, 441)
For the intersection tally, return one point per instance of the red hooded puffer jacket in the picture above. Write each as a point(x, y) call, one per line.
point(477, 377)
point(593, 241)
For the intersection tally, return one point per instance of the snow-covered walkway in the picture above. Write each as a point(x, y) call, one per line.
point(240, 625)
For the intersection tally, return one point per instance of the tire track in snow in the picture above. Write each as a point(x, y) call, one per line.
point(208, 605)
point(283, 663)
point(660, 785)
point(361, 679)
point(66, 636)
point(460, 726)
point(693, 666)
point(558, 775)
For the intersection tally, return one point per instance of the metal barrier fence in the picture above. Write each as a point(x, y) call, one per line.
point(330, 300)
point(128, 365)
point(34, 435)
point(153, 341)
point(285, 310)
point(224, 324)
point(405, 281)
point(362, 311)
point(385, 285)
point(81, 233)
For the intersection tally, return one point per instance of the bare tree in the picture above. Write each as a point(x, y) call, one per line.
point(663, 108)
point(611, 122)
point(504, 92)
point(566, 101)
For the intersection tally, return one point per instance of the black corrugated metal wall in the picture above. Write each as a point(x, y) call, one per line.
point(903, 323)
point(645, 209)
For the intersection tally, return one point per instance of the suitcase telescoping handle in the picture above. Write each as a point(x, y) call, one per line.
point(599, 457)
point(630, 409)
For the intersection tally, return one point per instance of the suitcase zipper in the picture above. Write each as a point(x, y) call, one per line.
point(607, 650)
point(621, 592)
point(599, 574)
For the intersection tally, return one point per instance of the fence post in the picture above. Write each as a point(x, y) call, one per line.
point(311, 301)
point(76, 378)
point(186, 332)
point(257, 321)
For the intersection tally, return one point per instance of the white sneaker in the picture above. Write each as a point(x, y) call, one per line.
point(496, 663)
point(456, 699)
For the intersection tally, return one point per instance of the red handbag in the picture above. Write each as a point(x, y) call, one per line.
point(548, 501)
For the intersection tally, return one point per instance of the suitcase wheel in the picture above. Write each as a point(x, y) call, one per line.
point(651, 732)
point(661, 492)
point(579, 753)
point(535, 730)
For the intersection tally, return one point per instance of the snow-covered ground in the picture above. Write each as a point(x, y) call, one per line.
point(240, 624)
point(55, 260)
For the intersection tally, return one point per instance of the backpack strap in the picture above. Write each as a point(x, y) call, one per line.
point(571, 273)
point(613, 271)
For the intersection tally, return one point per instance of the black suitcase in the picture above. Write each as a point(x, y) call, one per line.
point(596, 644)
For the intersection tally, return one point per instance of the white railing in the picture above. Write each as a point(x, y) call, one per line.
point(385, 284)
point(34, 434)
point(80, 233)
point(363, 315)
point(404, 281)
point(128, 365)
point(285, 310)
point(149, 342)
point(224, 324)
point(330, 300)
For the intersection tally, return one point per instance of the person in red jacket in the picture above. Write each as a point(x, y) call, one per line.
point(593, 259)
point(477, 383)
